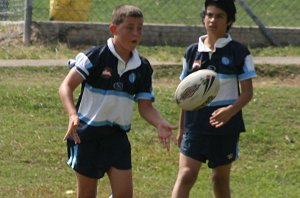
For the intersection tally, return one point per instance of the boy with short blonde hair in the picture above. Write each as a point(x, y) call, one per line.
point(113, 77)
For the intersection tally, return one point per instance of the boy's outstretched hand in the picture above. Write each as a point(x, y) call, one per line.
point(165, 134)
point(152, 116)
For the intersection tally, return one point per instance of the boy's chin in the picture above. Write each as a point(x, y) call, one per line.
point(132, 47)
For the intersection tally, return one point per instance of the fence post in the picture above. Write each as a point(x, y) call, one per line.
point(27, 22)
point(260, 24)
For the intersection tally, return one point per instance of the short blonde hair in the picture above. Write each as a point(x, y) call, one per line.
point(123, 11)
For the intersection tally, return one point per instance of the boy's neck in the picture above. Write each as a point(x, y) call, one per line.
point(210, 41)
point(123, 53)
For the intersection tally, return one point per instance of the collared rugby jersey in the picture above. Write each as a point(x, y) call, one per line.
point(232, 62)
point(110, 87)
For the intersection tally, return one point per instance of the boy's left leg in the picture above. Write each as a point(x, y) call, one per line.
point(221, 181)
point(187, 176)
point(86, 187)
point(224, 151)
point(121, 182)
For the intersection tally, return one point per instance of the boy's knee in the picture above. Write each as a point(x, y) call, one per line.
point(87, 193)
point(187, 176)
point(123, 195)
point(220, 180)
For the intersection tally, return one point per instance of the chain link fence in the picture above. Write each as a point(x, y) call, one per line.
point(11, 16)
point(251, 13)
point(283, 13)
point(11, 10)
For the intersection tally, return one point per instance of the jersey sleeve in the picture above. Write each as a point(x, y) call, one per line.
point(83, 62)
point(83, 65)
point(145, 90)
point(248, 69)
point(184, 71)
point(188, 58)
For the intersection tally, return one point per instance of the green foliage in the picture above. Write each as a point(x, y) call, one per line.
point(33, 154)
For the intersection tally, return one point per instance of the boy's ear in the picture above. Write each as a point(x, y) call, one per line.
point(112, 28)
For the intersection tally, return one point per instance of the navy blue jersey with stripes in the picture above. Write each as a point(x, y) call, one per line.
point(233, 63)
point(110, 87)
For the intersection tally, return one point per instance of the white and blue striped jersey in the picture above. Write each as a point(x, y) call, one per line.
point(233, 63)
point(111, 86)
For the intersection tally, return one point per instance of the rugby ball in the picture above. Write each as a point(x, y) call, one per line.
point(197, 89)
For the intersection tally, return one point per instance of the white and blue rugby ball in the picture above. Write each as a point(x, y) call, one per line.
point(197, 89)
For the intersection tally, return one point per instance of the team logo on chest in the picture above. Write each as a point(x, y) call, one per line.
point(106, 73)
point(225, 60)
point(132, 77)
point(118, 86)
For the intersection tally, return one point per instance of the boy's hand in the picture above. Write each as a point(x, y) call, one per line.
point(220, 116)
point(165, 133)
point(72, 129)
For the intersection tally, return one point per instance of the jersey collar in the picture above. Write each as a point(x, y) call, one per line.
point(133, 62)
point(221, 42)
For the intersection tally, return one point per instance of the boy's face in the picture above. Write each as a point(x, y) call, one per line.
point(128, 34)
point(215, 21)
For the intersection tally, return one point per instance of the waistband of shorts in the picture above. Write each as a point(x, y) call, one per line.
point(107, 130)
point(100, 131)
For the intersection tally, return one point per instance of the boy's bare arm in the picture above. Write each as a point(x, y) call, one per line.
point(223, 115)
point(66, 89)
point(152, 116)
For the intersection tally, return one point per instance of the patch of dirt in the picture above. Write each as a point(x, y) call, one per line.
point(291, 81)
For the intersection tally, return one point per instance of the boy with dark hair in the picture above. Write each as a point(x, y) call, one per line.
point(212, 133)
point(113, 77)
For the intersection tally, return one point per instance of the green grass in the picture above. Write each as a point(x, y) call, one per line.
point(276, 51)
point(16, 50)
point(33, 154)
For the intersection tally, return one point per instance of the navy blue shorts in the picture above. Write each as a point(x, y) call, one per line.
point(99, 151)
point(218, 150)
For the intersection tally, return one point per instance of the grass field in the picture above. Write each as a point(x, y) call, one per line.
point(16, 50)
point(33, 123)
point(33, 154)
